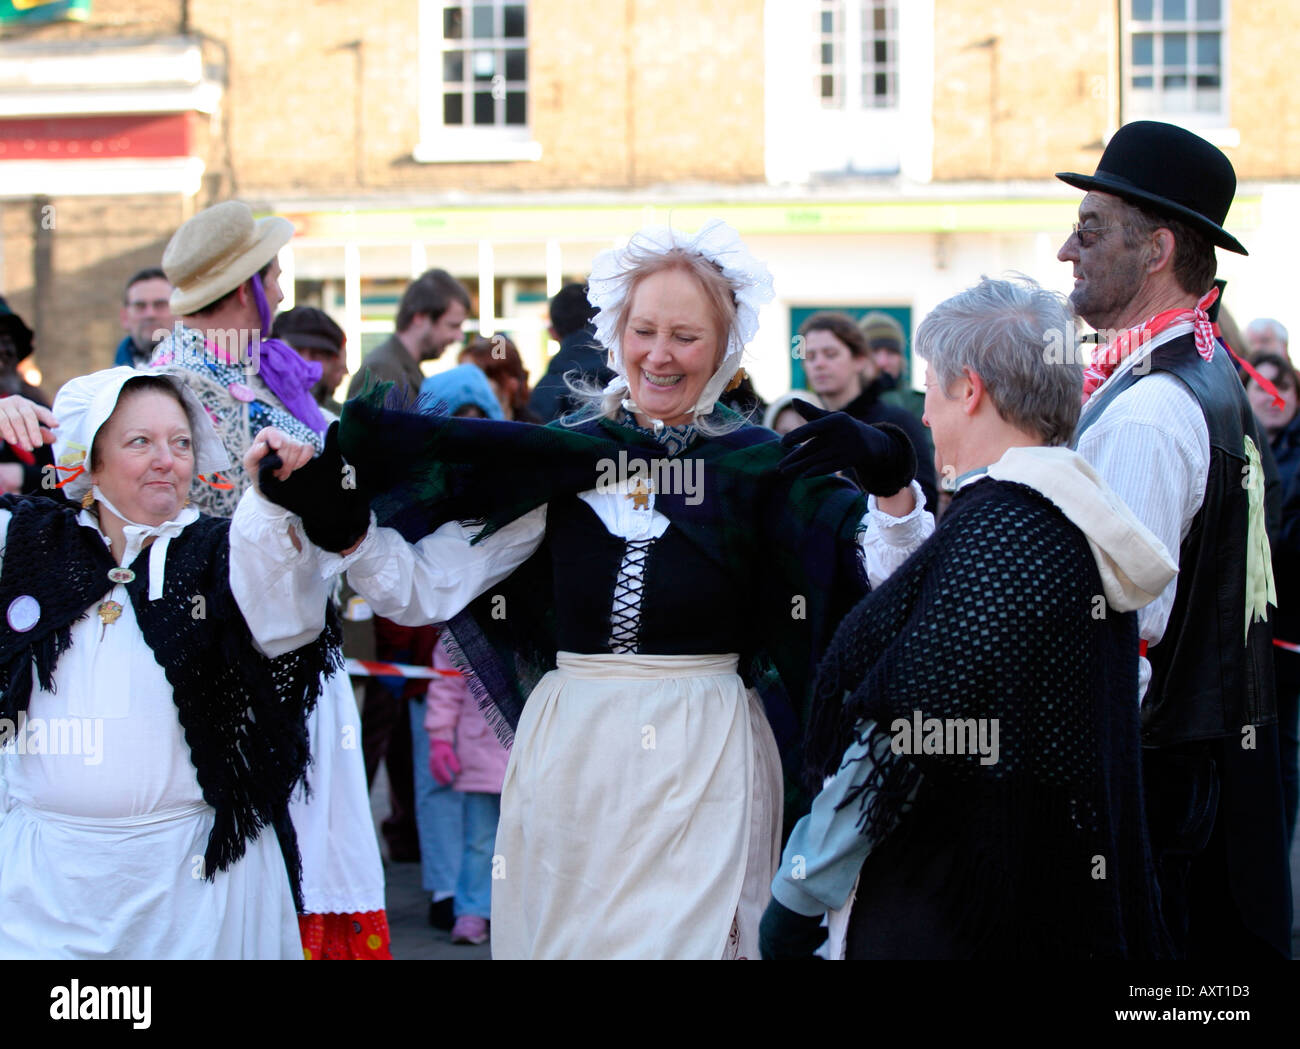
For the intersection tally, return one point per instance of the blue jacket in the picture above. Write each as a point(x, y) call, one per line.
point(126, 353)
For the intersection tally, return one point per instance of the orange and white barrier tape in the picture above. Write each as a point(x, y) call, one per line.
point(373, 668)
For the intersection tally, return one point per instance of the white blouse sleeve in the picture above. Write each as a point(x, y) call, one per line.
point(434, 579)
point(280, 590)
point(889, 541)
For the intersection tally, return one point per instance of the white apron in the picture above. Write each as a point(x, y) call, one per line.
point(101, 853)
point(640, 814)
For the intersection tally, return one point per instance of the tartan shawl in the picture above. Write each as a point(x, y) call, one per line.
point(793, 542)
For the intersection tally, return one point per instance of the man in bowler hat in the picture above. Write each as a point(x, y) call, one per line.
point(1167, 424)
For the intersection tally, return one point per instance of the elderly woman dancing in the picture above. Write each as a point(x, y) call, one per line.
point(639, 573)
point(225, 268)
point(156, 670)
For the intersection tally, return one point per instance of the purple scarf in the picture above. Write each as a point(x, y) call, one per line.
point(285, 373)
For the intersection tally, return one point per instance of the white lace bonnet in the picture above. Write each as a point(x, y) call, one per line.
point(751, 286)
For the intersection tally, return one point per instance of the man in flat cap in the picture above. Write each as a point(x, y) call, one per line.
point(1167, 425)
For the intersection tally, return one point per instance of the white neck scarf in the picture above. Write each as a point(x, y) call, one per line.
point(137, 535)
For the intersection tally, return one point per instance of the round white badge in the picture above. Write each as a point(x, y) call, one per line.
point(24, 613)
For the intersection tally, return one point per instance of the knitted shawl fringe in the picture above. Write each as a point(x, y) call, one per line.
point(243, 715)
point(961, 632)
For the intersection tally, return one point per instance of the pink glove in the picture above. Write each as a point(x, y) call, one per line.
point(442, 761)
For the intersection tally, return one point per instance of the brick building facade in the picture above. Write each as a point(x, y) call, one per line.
point(1023, 90)
point(359, 121)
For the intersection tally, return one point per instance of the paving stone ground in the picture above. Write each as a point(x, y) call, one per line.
point(408, 904)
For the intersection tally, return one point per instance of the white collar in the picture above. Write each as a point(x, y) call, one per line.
point(137, 535)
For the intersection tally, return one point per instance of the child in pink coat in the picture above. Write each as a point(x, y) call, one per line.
point(465, 752)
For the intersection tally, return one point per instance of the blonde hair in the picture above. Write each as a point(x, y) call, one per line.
point(719, 295)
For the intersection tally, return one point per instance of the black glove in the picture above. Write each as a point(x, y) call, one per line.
point(335, 511)
point(881, 456)
point(786, 936)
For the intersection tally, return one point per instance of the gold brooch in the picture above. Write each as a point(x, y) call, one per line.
point(640, 496)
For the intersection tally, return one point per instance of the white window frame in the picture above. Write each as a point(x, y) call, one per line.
point(467, 143)
point(806, 141)
point(850, 37)
point(1212, 124)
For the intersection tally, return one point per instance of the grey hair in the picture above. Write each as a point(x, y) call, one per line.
point(1022, 341)
point(1269, 325)
point(590, 400)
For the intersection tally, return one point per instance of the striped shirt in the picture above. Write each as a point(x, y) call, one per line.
point(1152, 446)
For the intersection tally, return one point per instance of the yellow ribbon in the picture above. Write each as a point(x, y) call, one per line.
point(1260, 588)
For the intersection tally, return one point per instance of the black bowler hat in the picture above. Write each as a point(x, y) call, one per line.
point(1169, 170)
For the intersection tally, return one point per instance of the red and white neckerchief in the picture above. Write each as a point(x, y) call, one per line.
point(1107, 359)
point(1115, 352)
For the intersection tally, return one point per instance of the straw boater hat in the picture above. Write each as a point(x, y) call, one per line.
point(217, 250)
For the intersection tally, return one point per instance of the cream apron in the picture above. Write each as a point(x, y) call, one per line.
point(640, 814)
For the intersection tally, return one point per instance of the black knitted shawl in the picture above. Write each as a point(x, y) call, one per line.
point(244, 715)
point(995, 617)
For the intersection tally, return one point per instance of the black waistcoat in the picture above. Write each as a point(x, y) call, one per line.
point(679, 601)
point(1210, 677)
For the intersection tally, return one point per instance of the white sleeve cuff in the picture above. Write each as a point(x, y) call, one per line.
point(905, 530)
point(888, 541)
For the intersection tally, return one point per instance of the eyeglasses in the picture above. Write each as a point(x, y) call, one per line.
point(1089, 235)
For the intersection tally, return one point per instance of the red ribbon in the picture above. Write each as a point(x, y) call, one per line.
point(74, 473)
point(1260, 381)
